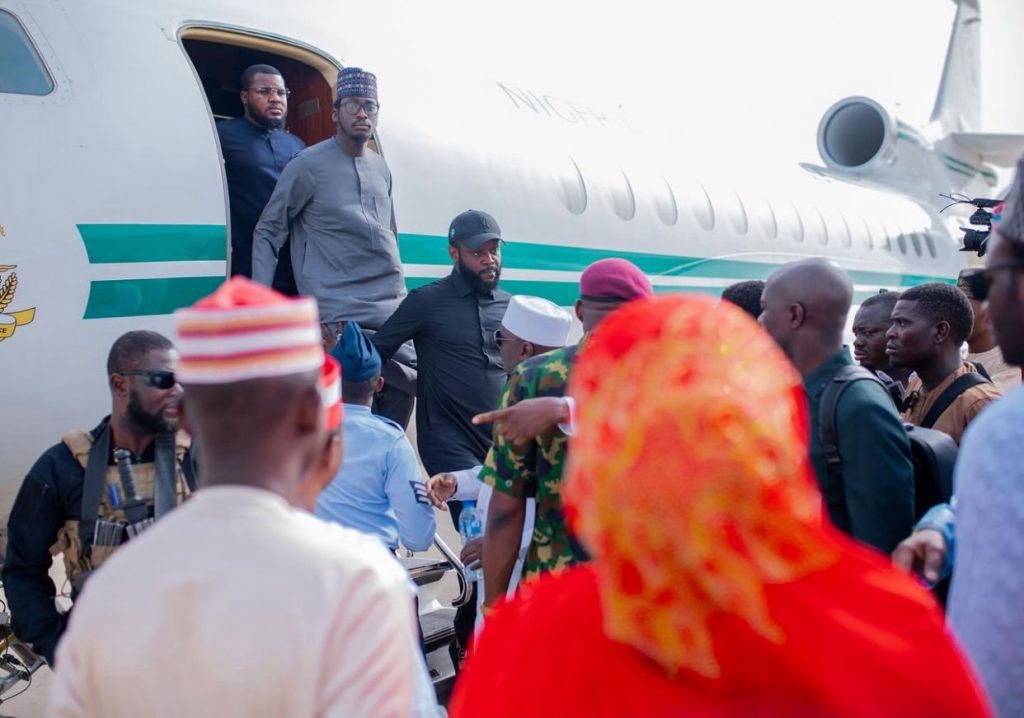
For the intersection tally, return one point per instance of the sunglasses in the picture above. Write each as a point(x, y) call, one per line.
point(977, 282)
point(157, 379)
point(499, 339)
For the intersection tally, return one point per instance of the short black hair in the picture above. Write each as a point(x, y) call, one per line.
point(130, 349)
point(884, 299)
point(253, 70)
point(942, 302)
point(746, 295)
point(358, 392)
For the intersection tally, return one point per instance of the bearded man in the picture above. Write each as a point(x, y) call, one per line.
point(452, 323)
point(75, 501)
point(256, 148)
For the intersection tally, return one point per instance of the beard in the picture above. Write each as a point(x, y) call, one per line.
point(479, 284)
point(360, 138)
point(144, 421)
point(269, 123)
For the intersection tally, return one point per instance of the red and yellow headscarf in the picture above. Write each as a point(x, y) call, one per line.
point(689, 478)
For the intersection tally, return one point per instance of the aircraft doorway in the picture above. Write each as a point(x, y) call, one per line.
point(220, 56)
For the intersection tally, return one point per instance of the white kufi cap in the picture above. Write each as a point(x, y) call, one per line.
point(537, 321)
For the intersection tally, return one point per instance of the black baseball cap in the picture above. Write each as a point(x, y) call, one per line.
point(473, 228)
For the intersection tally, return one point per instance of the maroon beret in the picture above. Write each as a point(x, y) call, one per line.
point(614, 280)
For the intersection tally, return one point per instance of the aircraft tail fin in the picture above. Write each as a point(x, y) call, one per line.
point(958, 102)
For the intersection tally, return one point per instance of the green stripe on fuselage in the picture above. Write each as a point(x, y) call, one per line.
point(430, 249)
point(132, 243)
point(117, 243)
point(146, 297)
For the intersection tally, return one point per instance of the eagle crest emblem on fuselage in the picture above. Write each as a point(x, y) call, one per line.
point(9, 319)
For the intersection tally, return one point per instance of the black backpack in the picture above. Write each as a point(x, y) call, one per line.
point(933, 452)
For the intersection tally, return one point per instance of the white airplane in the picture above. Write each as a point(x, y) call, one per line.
point(113, 204)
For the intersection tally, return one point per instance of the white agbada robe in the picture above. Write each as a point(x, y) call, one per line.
point(237, 604)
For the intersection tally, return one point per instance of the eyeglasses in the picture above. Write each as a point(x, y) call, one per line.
point(977, 282)
point(352, 107)
point(499, 339)
point(157, 379)
point(268, 91)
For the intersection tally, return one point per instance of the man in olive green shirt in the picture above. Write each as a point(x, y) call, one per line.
point(805, 305)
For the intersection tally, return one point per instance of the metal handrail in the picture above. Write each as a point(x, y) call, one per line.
point(465, 593)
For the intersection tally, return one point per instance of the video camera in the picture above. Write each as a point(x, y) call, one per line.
point(976, 240)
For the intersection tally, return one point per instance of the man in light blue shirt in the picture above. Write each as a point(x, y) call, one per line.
point(988, 523)
point(379, 489)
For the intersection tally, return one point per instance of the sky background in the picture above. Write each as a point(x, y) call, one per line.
point(758, 75)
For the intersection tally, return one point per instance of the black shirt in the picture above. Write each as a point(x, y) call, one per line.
point(460, 370)
point(49, 497)
point(253, 160)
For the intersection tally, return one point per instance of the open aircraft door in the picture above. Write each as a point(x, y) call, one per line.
point(219, 55)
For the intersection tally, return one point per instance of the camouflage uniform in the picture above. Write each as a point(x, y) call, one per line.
point(536, 469)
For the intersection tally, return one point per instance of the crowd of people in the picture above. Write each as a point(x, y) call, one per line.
point(701, 506)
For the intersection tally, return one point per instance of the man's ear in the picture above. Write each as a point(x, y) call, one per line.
point(332, 457)
point(941, 331)
point(118, 384)
point(453, 252)
point(379, 385)
point(309, 412)
point(334, 117)
point(797, 315)
point(579, 309)
point(526, 350)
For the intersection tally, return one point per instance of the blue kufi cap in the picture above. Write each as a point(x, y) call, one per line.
point(355, 352)
point(356, 82)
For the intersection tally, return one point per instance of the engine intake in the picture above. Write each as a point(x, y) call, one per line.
point(857, 134)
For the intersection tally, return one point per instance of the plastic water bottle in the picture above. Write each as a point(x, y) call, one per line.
point(471, 526)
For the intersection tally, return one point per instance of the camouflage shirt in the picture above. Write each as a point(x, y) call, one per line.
point(535, 470)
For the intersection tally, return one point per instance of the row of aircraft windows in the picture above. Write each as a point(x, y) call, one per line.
point(799, 224)
point(22, 72)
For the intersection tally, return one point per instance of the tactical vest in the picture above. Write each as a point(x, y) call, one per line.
point(79, 555)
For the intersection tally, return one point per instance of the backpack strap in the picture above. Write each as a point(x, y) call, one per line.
point(828, 406)
point(946, 398)
point(982, 370)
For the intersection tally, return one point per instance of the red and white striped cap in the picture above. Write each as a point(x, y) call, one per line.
point(247, 331)
point(330, 393)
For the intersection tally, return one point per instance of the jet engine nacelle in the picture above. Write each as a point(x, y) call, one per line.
point(859, 136)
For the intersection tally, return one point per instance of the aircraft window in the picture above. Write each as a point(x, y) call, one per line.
point(845, 235)
point(769, 224)
point(794, 226)
point(929, 242)
point(701, 205)
point(836, 226)
point(623, 200)
point(22, 71)
point(816, 226)
point(886, 241)
point(220, 57)
point(665, 205)
point(902, 240)
point(916, 241)
point(574, 190)
point(738, 215)
point(868, 238)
